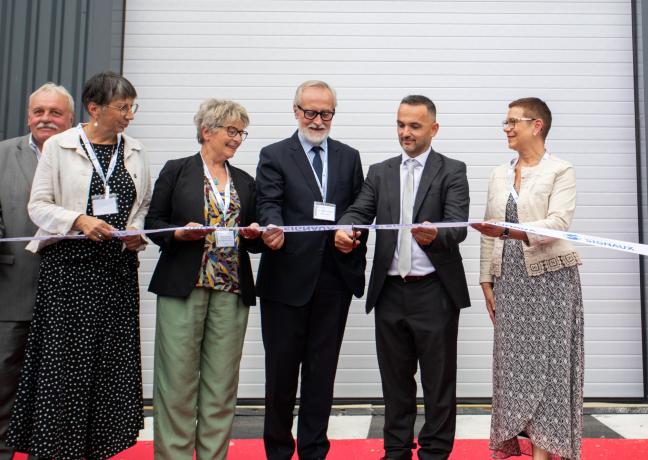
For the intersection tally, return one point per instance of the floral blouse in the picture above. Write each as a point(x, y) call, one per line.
point(219, 269)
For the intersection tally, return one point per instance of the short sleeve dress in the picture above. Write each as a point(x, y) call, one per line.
point(80, 391)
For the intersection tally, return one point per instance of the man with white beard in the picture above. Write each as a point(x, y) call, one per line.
point(51, 111)
point(305, 285)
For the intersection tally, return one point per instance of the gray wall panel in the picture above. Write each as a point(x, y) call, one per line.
point(64, 41)
point(641, 109)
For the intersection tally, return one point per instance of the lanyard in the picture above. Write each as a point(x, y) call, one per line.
point(95, 162)
point(324, 174)
point(223, 206)
point(319, 184)
point(510, 175)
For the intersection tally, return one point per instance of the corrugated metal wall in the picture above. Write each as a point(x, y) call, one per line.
point(64, 41)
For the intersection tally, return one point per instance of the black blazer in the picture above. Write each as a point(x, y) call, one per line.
point(442, 196)
point(286, 191)
point(178, 198)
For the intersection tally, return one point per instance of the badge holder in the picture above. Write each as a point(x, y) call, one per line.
point(324, 211)
point(103, 205)
point(225, 239)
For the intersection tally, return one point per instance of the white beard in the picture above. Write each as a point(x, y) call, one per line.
point(314, 138)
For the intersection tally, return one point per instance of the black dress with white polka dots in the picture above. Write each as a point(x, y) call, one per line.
point(80, 392)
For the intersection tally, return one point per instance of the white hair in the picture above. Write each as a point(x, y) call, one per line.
point(50, 87)
point(313, 84)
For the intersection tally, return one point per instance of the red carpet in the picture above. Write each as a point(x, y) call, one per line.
point(371, 449)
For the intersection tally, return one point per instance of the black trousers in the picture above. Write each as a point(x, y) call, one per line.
point(309, 336)
point(417, 323)
point(13, 339)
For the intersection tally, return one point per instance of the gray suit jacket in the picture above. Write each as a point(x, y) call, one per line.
point(442, 196)
point(18, 267)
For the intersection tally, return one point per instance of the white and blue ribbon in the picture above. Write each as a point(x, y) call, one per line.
point(607, 243)
point(285, 228)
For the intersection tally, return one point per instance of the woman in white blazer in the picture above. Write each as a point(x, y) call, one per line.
point(533, 295)
point(80, 393)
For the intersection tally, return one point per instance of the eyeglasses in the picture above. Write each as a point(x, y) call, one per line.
point(325, 115)
point(510, 123)
point(233, 132)
point(124, 109)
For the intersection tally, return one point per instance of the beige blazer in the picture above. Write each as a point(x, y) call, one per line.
point(547, 199)
point(61, 185)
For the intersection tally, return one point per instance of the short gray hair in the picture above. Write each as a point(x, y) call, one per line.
point(313, 84)
point(50, 87)
point(214, 113)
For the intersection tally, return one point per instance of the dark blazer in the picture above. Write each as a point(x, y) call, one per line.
point(286, 191)
point(442, 196)
point(178, 198)
point(18, 267)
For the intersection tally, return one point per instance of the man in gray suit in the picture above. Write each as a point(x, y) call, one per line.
point(51, 110)
point(417, 284)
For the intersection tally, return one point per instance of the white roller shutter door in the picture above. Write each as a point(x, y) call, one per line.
point(471, 58)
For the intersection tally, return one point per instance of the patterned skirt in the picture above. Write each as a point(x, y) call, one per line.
point(538, 358)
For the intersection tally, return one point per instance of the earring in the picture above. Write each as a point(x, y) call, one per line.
point(96, 123)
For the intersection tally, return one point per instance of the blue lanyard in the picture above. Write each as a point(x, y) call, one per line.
point(95, 162)
point(222, 205)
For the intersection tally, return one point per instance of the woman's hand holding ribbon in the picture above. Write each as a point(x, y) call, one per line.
point(93, 228)
point(251, 232)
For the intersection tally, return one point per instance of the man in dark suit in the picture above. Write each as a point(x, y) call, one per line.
point(305, 285)
point(417, 283)
point(51, 110)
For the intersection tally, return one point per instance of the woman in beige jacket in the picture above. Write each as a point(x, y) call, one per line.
point(80, 391)
point(533, 295)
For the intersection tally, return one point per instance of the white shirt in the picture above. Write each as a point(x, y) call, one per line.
point(421, 264)
point(34, 147)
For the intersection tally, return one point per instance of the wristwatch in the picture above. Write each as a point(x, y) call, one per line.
point(505, 234)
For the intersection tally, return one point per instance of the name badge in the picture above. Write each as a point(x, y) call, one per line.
point(324, 211)
point(225, 239)
point(103, 205)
